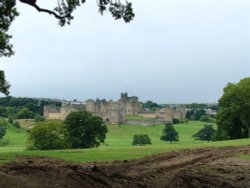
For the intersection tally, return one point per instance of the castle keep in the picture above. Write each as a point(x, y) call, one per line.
point(116, 112)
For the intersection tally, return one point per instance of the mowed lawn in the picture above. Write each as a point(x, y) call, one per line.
point(117, 145)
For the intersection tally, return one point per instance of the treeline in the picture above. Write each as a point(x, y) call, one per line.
point(151, 106)
point(24, 108)
point(199, 112)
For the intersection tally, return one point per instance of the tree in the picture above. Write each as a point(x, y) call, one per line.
point(63, 12)
point(4, 85)
point(206, 133)
point(207, 118)
point(141, 139)
point(3, 125)
point(3, 112)
point(234, 108)
point(170, 134)
point(152, 106)
point(85, 130)
point(49, 135)
point(24, 113)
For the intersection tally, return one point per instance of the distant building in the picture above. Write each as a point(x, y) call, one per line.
point(115, 112)
point(60, 113)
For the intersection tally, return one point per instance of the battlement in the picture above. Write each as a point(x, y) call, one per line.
point(60, 113)
point(112, 112)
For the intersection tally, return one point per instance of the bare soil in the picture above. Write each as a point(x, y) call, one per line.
point(203, 168)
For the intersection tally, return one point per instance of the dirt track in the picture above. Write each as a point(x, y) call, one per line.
point(209, 167)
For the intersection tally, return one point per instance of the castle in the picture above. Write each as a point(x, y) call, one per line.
point(60, 113)
point(116, 112)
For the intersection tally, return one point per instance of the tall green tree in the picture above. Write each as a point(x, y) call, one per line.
point(85, 130)
point(3, 125)
point(206, 133)
point(170, 134)
point(233, 118)
point(63, 11)
point(4, 85)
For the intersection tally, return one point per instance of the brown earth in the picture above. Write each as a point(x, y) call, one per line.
point(205, 168)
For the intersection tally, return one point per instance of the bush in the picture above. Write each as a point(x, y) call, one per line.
point(4, 142)
point(3, 125)
point(10, 120)
point(141, 139)
point(206, 118)
point(49, 135)
point(39, 118)
point(25, 113)
point(176, 121)
point(16, 124)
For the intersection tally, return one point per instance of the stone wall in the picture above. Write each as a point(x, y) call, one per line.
point(146, 122)
point(114, 112)
point(60, 113)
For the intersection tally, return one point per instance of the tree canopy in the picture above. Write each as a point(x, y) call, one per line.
point(49, 135)
point(63, 12)
point(170, 134)
point(85, 130)
point(234, 108)
point(206, 133)
point(141, 139)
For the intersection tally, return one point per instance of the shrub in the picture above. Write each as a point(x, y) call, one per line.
point(141, 139)
point(176, 121)
point(39, 118)
point(25, 113)
point(48, 135)
point(10, 120)
point(206, 118)
point(16, 124)
point(4, 142)
point(3, 125)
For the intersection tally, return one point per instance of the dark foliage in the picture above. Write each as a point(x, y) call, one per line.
point(233, 118)
point(152, 106)
point(9, 106)
point(170, 134)
point(16, 124)
point(3, 125)
point(195, 114)
point(206, 133)
point(85, 130)
point(141, 139)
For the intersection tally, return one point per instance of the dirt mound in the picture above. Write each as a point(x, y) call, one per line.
point(209, 167)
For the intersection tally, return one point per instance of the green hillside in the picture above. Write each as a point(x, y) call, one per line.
point(118, 144)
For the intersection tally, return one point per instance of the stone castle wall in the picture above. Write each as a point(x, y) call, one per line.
point(115, 112)
point(60, 113)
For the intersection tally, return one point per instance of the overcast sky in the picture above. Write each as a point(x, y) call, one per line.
point(175, 51)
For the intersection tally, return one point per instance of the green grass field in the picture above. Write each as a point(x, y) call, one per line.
point(117, 145)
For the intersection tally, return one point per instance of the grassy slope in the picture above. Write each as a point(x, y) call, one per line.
point(118, 144)
point(17, 139)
